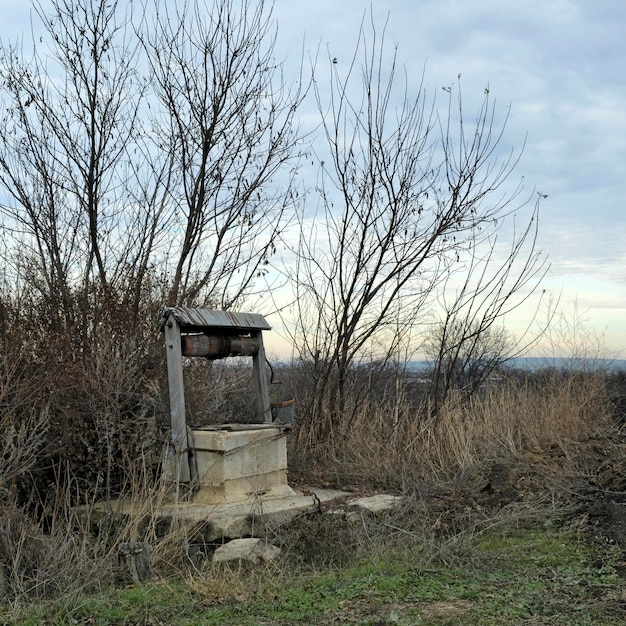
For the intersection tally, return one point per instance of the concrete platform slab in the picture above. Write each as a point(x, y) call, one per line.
point(220, 521)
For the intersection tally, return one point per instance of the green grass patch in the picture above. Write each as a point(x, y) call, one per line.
point(535, 576)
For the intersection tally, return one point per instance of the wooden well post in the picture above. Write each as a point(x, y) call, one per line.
point(212, 335)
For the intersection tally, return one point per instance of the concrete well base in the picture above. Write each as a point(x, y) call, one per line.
point(234, 462)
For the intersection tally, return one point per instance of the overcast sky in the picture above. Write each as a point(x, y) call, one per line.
point(559, 64)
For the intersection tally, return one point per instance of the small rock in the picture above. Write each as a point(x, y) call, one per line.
point(376, 504)
point(252, 550)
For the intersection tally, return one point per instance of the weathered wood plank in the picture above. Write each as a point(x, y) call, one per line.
point(264, 407)
point(177, 399)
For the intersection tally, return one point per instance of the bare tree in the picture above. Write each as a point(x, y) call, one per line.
point(69, 119)
point(470, 340)
point(406, 197)
point(228, 122)
point(115, 180)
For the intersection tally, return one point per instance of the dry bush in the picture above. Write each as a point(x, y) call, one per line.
point(78, 422)
point(219, 391)
point(515, 418)
point(104, 403)
point(24, 420)
point(516, 454)
point(73, 549)
point(37, 564)
point(121, 401)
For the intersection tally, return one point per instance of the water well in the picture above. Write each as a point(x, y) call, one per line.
point(225, 463)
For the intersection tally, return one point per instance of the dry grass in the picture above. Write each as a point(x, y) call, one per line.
point(382, 446)
point(388, 442)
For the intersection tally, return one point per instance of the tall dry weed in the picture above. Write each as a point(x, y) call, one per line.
point(515, 418)
point(384, 444)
